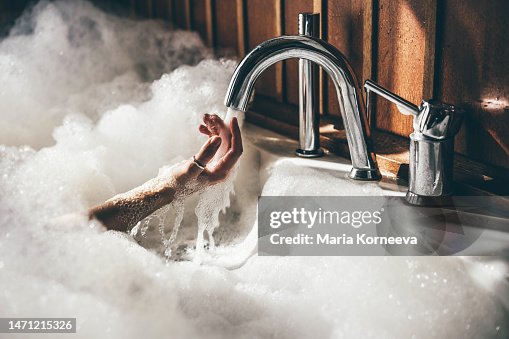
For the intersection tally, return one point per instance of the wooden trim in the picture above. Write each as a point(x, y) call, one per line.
point(319, 7)
point(429, 50)
point(324, 79)
point(209, 17)
point(241, 28)
point(279, 31)
point(179, 6)
point(367, 47)
point(161, 9)
point(170, 12)
point(189, 16)
point(367, 51)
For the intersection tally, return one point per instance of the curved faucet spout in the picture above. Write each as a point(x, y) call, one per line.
point(336, 65)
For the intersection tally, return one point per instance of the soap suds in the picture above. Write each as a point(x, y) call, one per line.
point(92, 106)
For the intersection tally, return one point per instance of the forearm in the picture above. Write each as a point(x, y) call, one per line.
point(126, 210)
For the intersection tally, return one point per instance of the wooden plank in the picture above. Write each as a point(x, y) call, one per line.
point(405, 27)
point(162, 9)
point(209, 15)
point(264, 22)
point(201, 18)
point(226, 25)
point(143, 8)
point(428, 78)
point(368, 51)
point(345, 20)
point(367, 38)
point(241, 27)
point(229, 29)
point(182, 14)
point(473, 71)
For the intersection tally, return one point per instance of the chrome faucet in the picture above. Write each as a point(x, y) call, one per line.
point(336, 65)
point(309, 108)
point(431, 145)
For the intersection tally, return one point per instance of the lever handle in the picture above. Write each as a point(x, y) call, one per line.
point(404, 106)
point(433, 119)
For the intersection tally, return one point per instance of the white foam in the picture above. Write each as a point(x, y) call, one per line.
point(107, 124)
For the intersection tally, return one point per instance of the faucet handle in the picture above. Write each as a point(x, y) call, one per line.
point(433, 119)
point(438, 120)
point(404, 106)
point(431, 145)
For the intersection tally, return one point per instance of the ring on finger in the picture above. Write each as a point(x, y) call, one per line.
point(197, 163)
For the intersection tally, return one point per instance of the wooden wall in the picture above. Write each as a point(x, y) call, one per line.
point(451, 50)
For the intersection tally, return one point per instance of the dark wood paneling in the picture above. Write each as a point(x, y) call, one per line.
point(202, 19)
point(226, 25)
point(474, 71)
point(454, 50)
point(345, 31)
point(3, 16)
point(182, 13)
point(263, 23)
point(9, 12)
point(404, 28)
point(143, 8)
point(162, 9)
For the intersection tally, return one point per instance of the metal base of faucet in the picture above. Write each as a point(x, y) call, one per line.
point(365, 174)
point(429, 201)
point(316, 153)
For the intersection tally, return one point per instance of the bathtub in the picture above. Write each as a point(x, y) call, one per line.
point(117, 288)
point(354, 297)
point(336, 297)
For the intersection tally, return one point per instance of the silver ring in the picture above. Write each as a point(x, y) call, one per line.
point(200, 166)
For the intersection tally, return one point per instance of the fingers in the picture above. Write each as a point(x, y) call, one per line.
point(214, 123)
point(204, 130)
point(226, 163)
point(236, 137)
point(206, 153)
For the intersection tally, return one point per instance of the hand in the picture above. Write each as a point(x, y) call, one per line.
point(215, 160)
point(218, 155)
